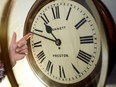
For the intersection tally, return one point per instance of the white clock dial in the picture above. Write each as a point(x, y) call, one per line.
point(66, 41)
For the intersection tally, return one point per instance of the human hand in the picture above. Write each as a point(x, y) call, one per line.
point(18, 50)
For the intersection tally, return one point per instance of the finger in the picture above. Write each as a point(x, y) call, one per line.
point(21, 43)
point(21, 48)
point(21, 56)
point(27, 36)
point(24, 51)
point(14, 36)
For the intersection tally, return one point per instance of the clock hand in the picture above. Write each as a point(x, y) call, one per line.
point(49, 30)
point(57, 41)
point(44, 37)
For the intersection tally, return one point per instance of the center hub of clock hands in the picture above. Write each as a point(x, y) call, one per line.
point(49, 31)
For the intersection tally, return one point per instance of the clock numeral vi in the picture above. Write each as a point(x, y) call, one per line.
point(49, 67)
point(85, 57)
point(56, 12)
point(80, 23)
point(41, 56)
point(62, 72)
point(86, 39)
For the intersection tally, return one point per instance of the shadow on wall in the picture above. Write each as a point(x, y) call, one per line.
point(112, 77)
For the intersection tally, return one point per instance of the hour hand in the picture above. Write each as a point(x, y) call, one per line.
point(49, 30)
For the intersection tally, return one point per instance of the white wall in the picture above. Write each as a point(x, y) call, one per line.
point(111, 4)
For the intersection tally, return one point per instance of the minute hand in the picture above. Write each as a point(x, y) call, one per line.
point(44, 37)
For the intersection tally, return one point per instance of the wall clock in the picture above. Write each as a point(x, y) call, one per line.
point(70, 42)
point(67, 46)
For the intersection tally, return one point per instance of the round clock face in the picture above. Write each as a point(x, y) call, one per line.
point(66, 43)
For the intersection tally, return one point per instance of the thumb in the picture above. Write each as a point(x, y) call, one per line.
point(14, 36)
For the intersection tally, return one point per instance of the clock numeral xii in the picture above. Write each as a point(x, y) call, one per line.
point(56, 12)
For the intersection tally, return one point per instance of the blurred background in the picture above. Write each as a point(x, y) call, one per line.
point(17, 26)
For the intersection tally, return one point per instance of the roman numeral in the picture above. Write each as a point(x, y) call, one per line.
point(44, 18)
point(37, 44)
point(85, 57)
point(56, 12)
point(61, 72)
point(75, 69)
point(68, 14)
point(41, 56)
point(38, 30)
point(86, 39)
point(49, 67)
point(80, 23)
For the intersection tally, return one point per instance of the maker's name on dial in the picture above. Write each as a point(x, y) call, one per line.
point(60, 55)
point(59, 28)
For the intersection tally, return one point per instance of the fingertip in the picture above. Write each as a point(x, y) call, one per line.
point(19, 45)
point(26, 53)
point(27, 36)
point(17, 50)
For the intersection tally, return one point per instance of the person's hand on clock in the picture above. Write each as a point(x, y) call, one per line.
point(18, 49)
